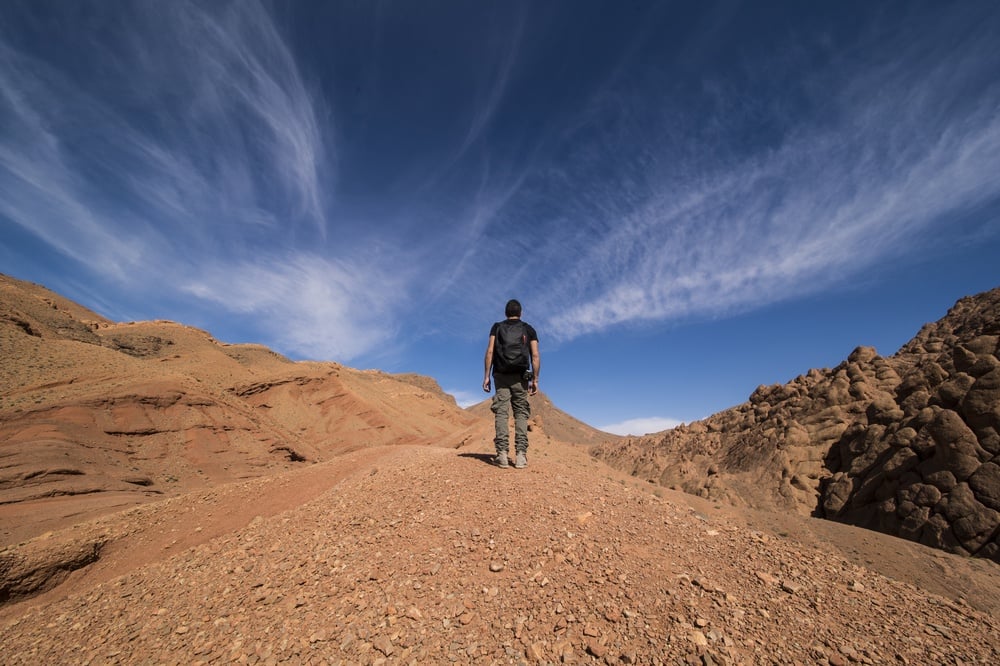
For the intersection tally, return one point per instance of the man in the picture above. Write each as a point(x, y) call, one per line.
point(512, 354)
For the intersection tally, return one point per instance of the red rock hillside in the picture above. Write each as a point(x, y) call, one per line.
point(906, 444)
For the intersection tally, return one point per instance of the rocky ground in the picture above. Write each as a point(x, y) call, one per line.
point(420, 555)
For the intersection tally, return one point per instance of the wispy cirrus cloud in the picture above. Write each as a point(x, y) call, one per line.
point(882, 162)
point(498, 76)
point(313, 305)
point(602, 175)
point(201, 137)
point(38, 189)
point(199, 153)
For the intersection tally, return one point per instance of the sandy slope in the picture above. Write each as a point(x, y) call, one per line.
point(432, 555)
point(98, 416)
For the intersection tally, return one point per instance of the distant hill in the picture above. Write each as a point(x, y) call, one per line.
point(111, 414)
point(553, 421)
point(105, 415)
point(907, 444)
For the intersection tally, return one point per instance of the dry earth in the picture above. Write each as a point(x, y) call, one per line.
point(168, 498)
point(432, 555)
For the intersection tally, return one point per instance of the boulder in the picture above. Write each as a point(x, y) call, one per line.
point(985, 483)
point(981, 409)
point(951, 393)
point(902, 461)
point(943, 480)
point(838, 492)
point(955, 447)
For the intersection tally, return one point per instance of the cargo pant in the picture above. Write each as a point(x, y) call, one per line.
point(511, 391)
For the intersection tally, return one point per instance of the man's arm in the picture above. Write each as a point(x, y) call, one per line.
point(488, 363)
point(536, 365)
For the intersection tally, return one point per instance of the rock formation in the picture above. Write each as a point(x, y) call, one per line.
point(908, 444)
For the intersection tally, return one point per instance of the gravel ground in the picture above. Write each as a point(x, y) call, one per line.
point(428, 555)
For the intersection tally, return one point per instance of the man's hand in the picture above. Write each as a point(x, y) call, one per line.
point(486, 384)
point(533, 388)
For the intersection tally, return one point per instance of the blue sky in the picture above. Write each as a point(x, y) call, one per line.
point(690, 199)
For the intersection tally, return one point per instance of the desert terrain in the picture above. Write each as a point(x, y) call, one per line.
point(168, 498)
point(907, 444)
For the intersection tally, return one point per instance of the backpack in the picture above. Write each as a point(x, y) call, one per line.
point(510, 354)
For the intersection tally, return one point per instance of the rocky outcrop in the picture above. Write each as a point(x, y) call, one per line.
point(908, 444)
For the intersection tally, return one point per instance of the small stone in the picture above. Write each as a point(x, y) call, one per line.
point(414, 613)
point(595, 648)
point(496, 566)
point(765, 578)
point(698, 638)
point(944, 631)
point(383, 645)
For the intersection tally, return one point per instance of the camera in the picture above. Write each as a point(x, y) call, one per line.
point(528, 375)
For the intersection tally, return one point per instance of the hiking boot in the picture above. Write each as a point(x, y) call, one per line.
point(521, 461)
point(501, 459)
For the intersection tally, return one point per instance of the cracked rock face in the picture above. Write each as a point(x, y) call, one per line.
point(908, 444)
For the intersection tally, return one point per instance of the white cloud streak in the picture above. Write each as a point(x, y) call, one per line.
point(310, 304)
point(641, 426)
point(37, 190)
point(466, 399)
point(499, 81)
point(895, 159)
point(203, 128)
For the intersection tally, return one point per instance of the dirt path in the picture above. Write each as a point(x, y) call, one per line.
point(427, 555)
point(156, 531)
